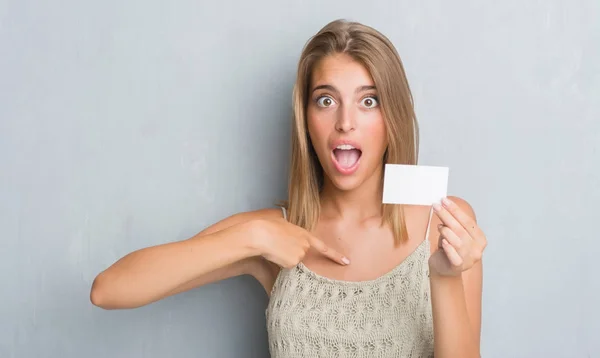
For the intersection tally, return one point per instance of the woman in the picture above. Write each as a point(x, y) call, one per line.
point(346, 275)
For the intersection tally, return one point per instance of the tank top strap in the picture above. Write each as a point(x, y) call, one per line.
point(284, 213)
point(429, 224)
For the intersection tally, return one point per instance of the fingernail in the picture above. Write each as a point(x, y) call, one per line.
point(345, 260)
point(446, 201)
point(437, 207)
point(440, 226)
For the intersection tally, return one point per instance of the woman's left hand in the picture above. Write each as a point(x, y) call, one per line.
point(461, 241)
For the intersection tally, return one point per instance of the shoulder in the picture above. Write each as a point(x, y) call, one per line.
point(264, 213)
point(258, 267)
point(464, 206)
point(242, 217)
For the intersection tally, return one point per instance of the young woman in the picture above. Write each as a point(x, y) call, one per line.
point(346, 275)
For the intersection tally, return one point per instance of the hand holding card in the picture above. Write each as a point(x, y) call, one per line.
point(461, 240)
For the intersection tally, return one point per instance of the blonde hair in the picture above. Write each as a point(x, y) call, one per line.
point(374, 51)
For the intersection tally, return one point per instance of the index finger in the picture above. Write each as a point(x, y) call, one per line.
point(328, 252)
point(465, 220)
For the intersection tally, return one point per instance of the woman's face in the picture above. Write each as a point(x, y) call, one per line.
point(345, 122)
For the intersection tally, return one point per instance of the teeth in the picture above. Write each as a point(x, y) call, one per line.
point(345, 147)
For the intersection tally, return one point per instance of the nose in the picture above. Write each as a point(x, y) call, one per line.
point(346, 120)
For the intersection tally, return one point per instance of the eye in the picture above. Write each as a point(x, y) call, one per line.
point(369, 102)
point(325, 101)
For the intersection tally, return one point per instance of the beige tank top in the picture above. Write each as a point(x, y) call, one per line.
point(310, 315)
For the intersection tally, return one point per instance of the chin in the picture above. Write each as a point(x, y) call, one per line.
point(346, 183)
point(349, 182)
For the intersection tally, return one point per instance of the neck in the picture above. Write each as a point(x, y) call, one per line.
point(358, 204)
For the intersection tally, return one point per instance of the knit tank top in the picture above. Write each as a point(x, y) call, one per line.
point(310, 315)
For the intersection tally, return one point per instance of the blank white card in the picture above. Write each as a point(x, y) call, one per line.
point(414, 184)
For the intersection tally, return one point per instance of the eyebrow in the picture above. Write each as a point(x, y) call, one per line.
point(331, 88)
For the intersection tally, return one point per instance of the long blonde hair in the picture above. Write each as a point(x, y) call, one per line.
point(374, 51)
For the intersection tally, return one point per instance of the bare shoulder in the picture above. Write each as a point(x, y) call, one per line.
point(242, 217)
point(262, 270)
point(464, 205)
point(257, 267)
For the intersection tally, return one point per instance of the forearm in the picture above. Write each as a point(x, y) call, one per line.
point(149, 274)
point(453, 332)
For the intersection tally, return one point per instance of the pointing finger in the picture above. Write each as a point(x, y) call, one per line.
point(328, 252)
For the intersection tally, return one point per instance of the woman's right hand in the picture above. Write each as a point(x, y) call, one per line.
point(286, 244)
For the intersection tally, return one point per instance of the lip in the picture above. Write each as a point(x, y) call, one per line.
point(336, 164)
point(339, 142)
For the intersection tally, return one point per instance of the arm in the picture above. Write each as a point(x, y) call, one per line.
point(456, 298)
point(456, 317)
point(221, 251)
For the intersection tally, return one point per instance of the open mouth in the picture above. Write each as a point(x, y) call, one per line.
point(346, 158)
